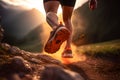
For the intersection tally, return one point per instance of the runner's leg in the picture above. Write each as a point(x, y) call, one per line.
point(59, 34)
point(51, 8)
point(67, 13)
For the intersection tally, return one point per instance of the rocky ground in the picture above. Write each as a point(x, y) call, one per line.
point(16, 64)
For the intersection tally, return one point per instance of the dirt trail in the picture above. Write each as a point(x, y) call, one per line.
point(16, 64)
point(97, 68)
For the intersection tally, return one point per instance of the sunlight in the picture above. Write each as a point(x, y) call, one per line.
point(38, 4)
point(75, 58)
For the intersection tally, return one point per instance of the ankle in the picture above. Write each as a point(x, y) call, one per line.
point(68, 48)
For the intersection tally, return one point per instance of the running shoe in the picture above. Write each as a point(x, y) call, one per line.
point(67, 53)
point(57, 37)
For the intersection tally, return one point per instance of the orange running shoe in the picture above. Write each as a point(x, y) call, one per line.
point(67, 53)
point(57, 37)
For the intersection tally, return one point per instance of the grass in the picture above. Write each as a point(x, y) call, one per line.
point(108, 48)
point(31, 46)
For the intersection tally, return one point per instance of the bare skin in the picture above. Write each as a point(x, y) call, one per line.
point(52, 6)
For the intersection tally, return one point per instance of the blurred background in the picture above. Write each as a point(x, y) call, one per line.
point(24, 23)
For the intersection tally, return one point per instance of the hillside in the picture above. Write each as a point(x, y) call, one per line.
point(99, 25)
point(19, 22)
point(32, 41)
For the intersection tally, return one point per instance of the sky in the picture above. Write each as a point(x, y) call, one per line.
point(38, 4)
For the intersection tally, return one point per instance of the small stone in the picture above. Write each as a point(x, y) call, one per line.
point(5, 46)
point(27, 77)
point(15, 50)
point(35, 61)
point(13, 77)
point(48, 59)
point(53, 72)
point(20, 64)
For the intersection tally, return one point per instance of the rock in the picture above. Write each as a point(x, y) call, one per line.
point(36, 61)
point(40, 67)
point(74, 75)
point(5, 46)
point(21, 52)
point(13, 77)
point(28, 77)
point(53, 72)
point(48, 59)
point(23, 65)
point(15, 50)
point(19, 64)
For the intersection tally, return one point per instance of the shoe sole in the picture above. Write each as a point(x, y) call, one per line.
point(67, 54)
point(54, 43)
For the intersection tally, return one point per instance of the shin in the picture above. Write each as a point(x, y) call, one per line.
point(52, 19)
